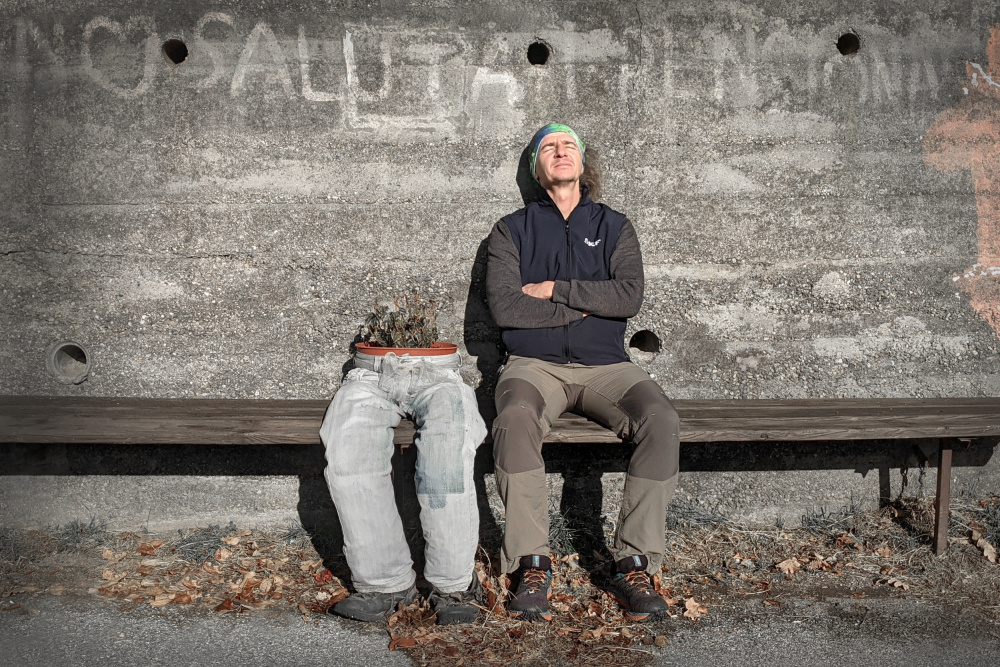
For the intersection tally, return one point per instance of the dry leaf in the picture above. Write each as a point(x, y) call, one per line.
point(895, 583)
point(596, 633)
point(182, 598)
point(156, 544)
point(162, 600)
point(108, 554)
point(789, 566)
point(108, 575)
point(188, 583)
point(208, 568)
point(402, 642)
point(223, 554)
point(231, 541)
point(884, 552)
point(225, 605)
point(265, 586)
point(661, 641)
point(693, 610)
point(323, 576)
point(989, 551)
point(322, 596)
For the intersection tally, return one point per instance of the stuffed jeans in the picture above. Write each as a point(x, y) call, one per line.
point(358, 431)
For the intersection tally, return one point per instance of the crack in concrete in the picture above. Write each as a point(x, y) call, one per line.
point(638, 15)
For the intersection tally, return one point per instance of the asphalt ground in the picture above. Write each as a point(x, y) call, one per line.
point(81, 630)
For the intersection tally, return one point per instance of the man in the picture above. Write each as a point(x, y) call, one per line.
point(564, 273)
point(357, 432)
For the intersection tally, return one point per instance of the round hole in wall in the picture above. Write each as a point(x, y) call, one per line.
point(176, 50)
point(538, 53)
point(68, 362)
point(645, 340)
point(848, 44)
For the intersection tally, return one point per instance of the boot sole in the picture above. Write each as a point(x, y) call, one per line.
point(637, 616)
point(364, 618)
point(533, 616)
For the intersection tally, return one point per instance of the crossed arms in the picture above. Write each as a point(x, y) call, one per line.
point(571, 300)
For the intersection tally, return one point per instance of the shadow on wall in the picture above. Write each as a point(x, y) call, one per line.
point(967, 136)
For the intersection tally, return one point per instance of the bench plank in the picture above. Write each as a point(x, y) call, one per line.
point(96, 420)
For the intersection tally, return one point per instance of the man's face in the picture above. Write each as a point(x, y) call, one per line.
point(559, 160)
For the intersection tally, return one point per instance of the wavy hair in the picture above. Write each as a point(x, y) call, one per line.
point(591, 177)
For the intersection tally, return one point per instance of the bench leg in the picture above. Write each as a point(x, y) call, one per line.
point(884, 487)
point(943, 497)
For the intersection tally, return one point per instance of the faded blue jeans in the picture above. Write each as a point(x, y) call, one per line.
point(357, 432)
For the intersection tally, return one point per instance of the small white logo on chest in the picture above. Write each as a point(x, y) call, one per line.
point(592, 244)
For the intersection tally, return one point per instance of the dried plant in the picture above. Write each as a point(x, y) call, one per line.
point(410, 322)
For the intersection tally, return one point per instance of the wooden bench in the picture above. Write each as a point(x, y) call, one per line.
point(69, 420)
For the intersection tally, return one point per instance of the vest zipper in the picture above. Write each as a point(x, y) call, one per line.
point(569, 264)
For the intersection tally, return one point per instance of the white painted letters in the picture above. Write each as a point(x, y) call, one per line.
point(151, 53)
point(275, 67)
point(213, 53)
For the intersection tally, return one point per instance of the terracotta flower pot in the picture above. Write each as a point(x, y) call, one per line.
point(435, 350)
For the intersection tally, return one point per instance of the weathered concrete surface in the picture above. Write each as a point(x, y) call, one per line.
point(813, 224)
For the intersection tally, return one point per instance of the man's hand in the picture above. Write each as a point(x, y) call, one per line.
point(541, 290)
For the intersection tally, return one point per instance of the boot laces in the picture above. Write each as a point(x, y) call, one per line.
point(533, 579)
point(640, 581)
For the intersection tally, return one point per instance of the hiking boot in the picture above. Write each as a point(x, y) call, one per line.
point(372, 607)
point(531, 599)
point(632, 587)
point(457, 607)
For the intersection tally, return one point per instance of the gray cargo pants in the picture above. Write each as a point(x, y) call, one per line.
point(530, 395)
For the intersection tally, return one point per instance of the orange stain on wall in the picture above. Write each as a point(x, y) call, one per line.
point(967, 136)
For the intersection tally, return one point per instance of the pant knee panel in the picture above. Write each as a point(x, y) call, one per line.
point(517, 429)
point(655, 431)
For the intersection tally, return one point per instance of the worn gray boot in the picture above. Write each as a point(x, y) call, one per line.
point(372, 607)
point(458, 607)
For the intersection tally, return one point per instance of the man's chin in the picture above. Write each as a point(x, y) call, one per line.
point(564, 180)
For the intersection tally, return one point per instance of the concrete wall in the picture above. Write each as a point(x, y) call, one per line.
point(813, 224)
